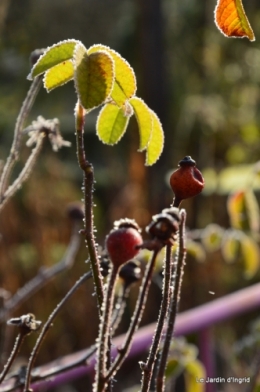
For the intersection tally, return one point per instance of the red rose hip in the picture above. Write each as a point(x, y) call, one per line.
point(186, 181)
point(123, 241)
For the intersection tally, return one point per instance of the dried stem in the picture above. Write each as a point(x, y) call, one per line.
point(17, 345)
point(26, 171)
point(47, 326)
point(177, 277)
point(43, 276)
point(103, 342)
point(150, 363)
point(14, 153)
point(136, 318)
point(88, 198)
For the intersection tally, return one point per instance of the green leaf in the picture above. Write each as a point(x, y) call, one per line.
point(58, 75)
point(125, 82)
point(53, 55)
point(230, 245)
point(156, 142)
point(111, 124)
point(195, 371)
point(94, 76)
point(196, 250)
point(212, 237)
point(144, 120)
point(250, 252)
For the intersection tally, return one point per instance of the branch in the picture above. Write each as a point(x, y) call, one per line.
point(44, 276)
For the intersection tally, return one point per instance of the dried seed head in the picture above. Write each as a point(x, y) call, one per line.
point(27, 323)
point(165, 226)
point(125, 223)
point(75, 211)
point(130, 272)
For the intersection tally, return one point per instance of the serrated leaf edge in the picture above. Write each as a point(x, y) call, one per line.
point(45, 76)
point(30, 77)
point(163, 140)
point(76, 84)
point(98, 120)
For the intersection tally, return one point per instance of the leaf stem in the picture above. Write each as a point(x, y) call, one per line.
point(88, 182)
point(177, 277)
point(150, 363)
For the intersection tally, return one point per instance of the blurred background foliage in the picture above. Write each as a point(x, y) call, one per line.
point(205, 89)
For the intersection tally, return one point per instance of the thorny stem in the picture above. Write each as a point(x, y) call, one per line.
point(150, 363)
point(136, 318)
point(179, 269)
point(116, 317)
point(47, 326)
point(103, 343)
point(88, 197)
point(17, 345)
point(14, 153)
point(26, 171)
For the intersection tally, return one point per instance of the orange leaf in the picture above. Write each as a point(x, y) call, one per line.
point(231, 19)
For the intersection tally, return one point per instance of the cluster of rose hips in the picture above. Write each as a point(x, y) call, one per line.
point(124, 241)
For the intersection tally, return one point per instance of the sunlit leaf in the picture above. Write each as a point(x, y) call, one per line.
point(212, 237)
point(173, 368)
point(195, 371)
point(231, 19)
point(125, 82)
point(53, 55)
point(58, 75)
point(144, 120)
point(250, 252)
point(196, 250)
point(230, 246)
point(111, 124)
point(244, 211)
point(156, 142)
point(94, 76)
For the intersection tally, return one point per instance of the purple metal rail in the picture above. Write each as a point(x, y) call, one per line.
point(187, 322)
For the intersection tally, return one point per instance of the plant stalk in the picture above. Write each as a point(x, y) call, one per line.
point(88, 182)
point(179, 269)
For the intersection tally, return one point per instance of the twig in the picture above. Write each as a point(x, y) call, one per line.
point(48, 324)
point(190, 321)
point(88, 181)
point(149, 365)
point(44, 275)
point(17, 345)
point(136, 318)
point(26, 171)
point(180, 262)
point(103, 342)
point(14, 153)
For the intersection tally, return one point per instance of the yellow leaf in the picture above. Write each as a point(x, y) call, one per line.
point(111, 124)
point(156, 142)
point(144, 120)
point(231, 19)
point(195, 371)
point(58, 75)
point(250, 252)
